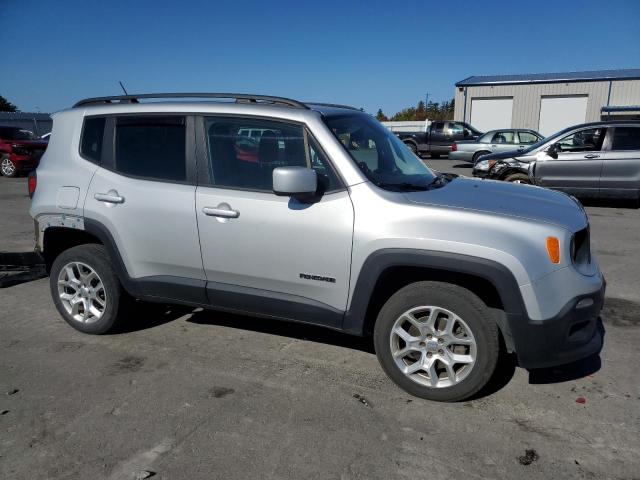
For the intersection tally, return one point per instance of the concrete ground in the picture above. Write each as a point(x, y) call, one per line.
point(188, 394)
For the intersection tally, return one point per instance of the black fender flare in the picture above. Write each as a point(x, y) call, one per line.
point(497, 274)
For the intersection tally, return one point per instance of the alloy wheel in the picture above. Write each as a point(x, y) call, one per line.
point(7, 166)
point(433, 346)
point(82, 292)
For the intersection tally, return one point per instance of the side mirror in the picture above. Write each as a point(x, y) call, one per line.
point(295, 181)
point(552, 151)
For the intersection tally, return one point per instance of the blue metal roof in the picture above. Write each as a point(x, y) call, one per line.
point(588, 76)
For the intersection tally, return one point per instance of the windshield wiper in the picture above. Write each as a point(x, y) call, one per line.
point(403, 186)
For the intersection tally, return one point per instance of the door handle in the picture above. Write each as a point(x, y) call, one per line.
point(220, 212)
point(592, 155)
point(110, 197)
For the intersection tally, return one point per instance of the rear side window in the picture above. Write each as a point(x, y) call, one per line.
point(151, 147)
point(92, 135)
point(626, 138)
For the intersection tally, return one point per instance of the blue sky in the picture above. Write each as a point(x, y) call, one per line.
point(370, 54)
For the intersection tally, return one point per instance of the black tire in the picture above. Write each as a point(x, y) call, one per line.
point(117, 301)
point(435, 155)
point(477, 155)
point(517, 178)
point(413, 147)
point(466, 306)
point(5, 158)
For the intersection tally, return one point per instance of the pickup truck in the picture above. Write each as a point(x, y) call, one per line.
point(438, 137)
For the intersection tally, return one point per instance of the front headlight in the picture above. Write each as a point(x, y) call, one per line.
point(485, 165)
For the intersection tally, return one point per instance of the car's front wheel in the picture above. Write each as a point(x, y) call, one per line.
point(437, 341)
point(518, 178)
point(7, 167)
point(86, 290)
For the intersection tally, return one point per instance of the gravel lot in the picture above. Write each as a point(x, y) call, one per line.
point(194, 394)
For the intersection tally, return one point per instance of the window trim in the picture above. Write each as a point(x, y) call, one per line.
point(203, 159)
point(104, 138)
point(109, 147)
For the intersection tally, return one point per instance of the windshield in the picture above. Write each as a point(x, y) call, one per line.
point(9, 133)
point(545, 140)
point(381, 156)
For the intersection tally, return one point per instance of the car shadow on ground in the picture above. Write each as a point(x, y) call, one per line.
point(462, 165)
point(610, 203)
point(301, 331)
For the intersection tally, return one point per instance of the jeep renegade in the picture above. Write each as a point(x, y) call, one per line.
point(314, 213)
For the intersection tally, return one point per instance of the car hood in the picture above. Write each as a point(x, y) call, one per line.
point(508, 199)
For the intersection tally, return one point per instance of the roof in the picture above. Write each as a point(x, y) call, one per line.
point(562, 77)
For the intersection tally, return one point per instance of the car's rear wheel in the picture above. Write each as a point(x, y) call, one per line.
point(86, 290)
point(437, 341)
point(518, 178)
point(477, 155)
point(7, 167)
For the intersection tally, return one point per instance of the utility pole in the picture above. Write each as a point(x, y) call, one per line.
point(426, 100)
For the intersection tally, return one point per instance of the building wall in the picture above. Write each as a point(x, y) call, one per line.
point(625, 93)
point(527, 97)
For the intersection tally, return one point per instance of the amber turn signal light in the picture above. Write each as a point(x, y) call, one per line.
point(553, 249)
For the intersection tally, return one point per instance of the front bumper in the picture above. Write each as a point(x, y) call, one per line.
point(573, 334)
point(480, 173)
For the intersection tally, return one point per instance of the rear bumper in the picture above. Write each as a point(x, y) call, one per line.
point(24, 163)
point(574, 333)
point(461, 155)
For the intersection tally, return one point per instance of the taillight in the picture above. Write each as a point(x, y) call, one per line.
point(454, 148)
point(32, 183)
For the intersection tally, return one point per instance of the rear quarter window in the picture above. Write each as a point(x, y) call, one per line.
point(92, 138)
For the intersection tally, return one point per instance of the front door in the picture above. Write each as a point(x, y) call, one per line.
point(269, 254)
point(578, 166)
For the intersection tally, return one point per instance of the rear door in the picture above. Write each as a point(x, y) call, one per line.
point(621, 163)
point(144, 195)
point(439, 143)
point(578, 166)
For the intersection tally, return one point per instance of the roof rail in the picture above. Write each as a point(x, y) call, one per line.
point(239, 97)
point(335, 105)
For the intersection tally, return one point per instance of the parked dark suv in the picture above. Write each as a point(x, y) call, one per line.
point(600, 159)
point(20, 151)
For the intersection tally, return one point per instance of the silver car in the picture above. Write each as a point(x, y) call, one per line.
point(330, 220)
point(495, 141)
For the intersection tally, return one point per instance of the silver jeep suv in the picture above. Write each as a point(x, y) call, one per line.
point(314, 213)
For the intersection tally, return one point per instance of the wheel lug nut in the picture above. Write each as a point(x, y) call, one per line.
point(429, 336)
point(440, 340)
point(422, 344)
point(429, 354)
point(441, 352)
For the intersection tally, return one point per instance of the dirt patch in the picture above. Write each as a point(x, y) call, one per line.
point(128, 364)
point(620, 312)
point(219, 392)
point(530, 456)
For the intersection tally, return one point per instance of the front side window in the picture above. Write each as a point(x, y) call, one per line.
point(151, 147)
point(626, 138)
point(381, 156)
point(438, 127)
point(92, 135)
point(589, 140)
point(503, 137)
point(238, 161)
point(455, 129)
point(527, 138)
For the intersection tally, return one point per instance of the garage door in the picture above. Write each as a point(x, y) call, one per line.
point(557, 113)
point(491, 113)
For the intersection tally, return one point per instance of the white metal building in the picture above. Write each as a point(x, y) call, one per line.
point(547, 102)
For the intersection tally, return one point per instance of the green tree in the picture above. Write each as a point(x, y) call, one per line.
point(381, 116)
point(6, 105)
